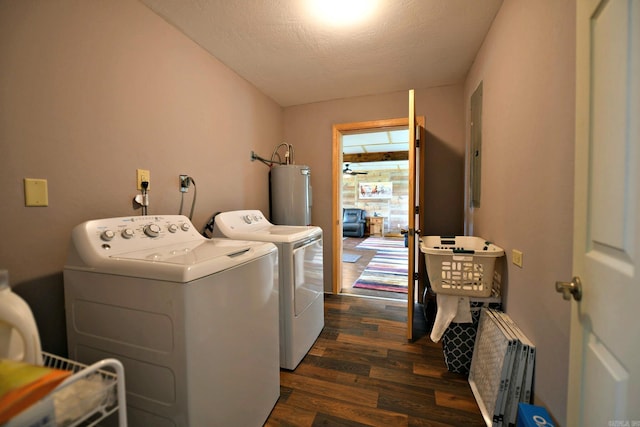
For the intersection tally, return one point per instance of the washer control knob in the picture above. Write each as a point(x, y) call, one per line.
point(173, 228)
point(107, 235)
point(152, 230)
point(127, 233)
point(247, 219)
point(185, 226)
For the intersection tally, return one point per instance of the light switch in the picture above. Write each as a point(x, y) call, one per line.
point(35, 192)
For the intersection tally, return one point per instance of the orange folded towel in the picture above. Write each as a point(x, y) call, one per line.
point(23, 384)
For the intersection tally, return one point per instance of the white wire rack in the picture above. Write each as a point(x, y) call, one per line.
point(89, 395)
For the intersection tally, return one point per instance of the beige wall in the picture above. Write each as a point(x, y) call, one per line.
point(309, 128)
point(90, 91)
point(527, 68)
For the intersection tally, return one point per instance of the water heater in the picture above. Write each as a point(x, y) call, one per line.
point(290, 194)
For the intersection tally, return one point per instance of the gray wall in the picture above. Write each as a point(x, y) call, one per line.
point(528, 73)
point(91, 91)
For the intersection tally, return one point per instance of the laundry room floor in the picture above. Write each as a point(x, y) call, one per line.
point(363, 371)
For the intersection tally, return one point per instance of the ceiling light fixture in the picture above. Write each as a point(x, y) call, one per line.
point(342, 12)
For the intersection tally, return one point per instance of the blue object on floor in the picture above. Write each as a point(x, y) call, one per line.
point(533, 416)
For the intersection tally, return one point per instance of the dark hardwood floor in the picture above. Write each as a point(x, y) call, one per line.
point(362, 371)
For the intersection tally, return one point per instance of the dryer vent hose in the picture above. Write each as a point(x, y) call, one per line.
point(208, 228)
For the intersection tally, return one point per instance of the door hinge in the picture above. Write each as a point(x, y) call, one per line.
point(416, 210)
point(417, 135)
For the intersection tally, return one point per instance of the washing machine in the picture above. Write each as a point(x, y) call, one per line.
point(193, 320)
point(300, 276)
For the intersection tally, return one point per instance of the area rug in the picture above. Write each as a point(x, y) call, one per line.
point(387, 271)
point(350, 257)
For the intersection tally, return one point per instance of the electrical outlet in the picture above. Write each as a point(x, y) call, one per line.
point(516, 257)
point(184, 183)
point(143, 175)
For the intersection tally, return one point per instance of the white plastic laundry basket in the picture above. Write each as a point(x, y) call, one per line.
point(460, 265)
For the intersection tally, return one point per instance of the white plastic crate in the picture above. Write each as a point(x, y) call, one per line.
point(460, 265)
point(83, 399)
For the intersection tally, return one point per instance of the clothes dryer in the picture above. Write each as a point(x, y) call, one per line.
point(193, 320)
point(300, 273)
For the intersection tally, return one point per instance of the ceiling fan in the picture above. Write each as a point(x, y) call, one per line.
point(348, 171)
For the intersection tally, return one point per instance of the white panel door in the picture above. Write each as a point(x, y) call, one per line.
point(604, 377)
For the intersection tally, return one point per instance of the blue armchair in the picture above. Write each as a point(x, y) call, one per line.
point(353, 222)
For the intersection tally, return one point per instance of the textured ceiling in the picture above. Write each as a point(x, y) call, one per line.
point(281, 48)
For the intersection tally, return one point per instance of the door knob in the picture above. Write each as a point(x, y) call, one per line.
point(567, 289)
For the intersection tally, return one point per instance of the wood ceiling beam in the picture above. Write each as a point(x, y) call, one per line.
point(375, 157)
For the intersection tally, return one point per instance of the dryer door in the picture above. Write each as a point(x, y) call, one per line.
point(307, 274)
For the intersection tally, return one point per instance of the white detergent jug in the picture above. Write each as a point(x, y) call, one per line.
point(19, 339)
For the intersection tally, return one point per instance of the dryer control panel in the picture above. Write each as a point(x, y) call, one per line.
point(245, 220)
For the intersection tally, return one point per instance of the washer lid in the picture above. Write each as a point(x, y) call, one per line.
point(275, 233)
point(186, 254)
point(181, 263)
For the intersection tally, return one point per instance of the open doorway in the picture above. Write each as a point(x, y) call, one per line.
point(371, 182)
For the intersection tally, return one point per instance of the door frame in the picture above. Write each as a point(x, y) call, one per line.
point(336, 220)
